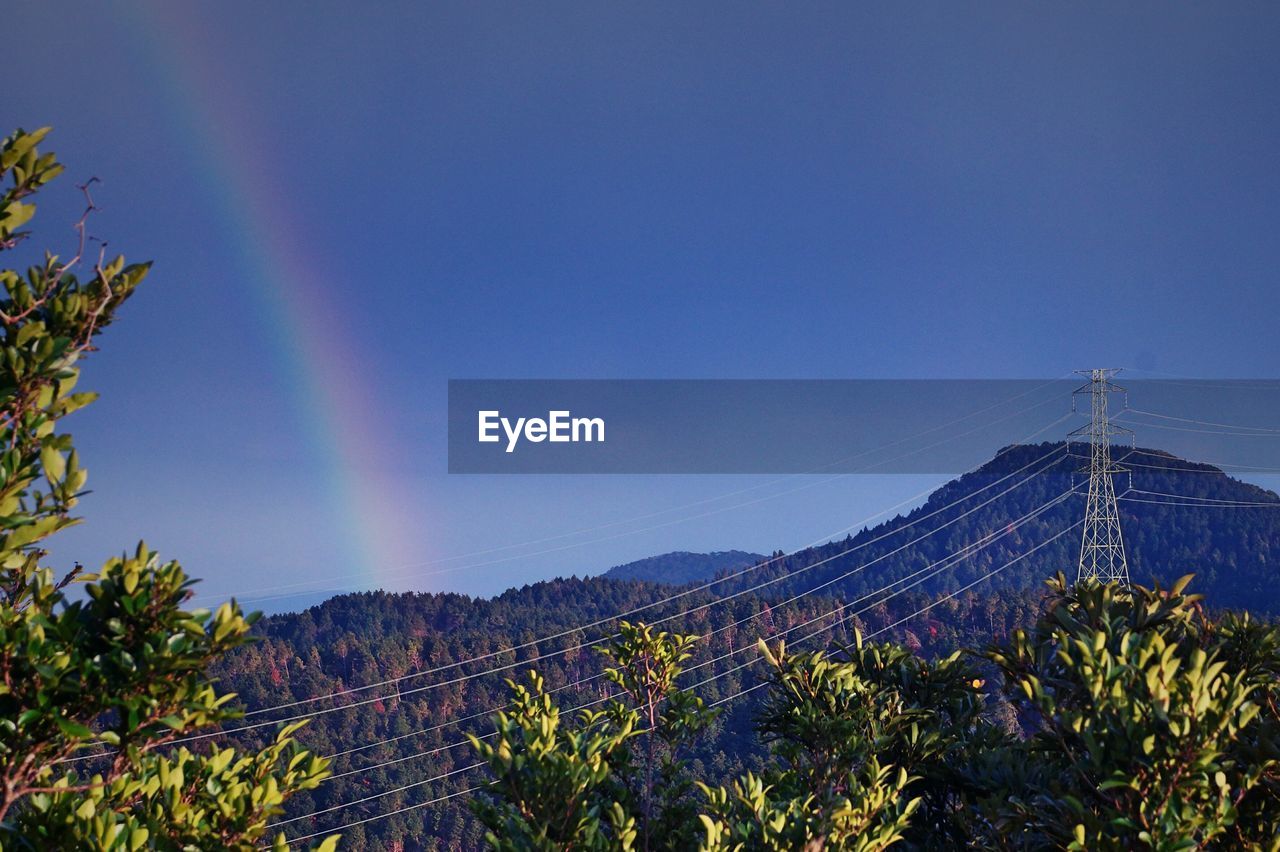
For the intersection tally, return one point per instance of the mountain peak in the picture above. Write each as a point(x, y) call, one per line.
point(681, 566)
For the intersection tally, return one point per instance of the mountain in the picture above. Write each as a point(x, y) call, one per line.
point(373, 637)
point(402, 736)
point(681, 566)
point(1231, 549)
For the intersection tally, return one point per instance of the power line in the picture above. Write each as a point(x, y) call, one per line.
point(373, 796)
point(506, 667)
point(1172, 469)
point(942, 564)
point(492, 654)
point(1204, 502)
point(437, 800)
point(1208, 499)
point(1172, 428)
point(478, 787)
point(598, 622)
point(1223, 465)
point(946, 597)
point(919, 582)
point(734, 595)
point(1203, 382)
point(1270, 429)
point(1199, 505)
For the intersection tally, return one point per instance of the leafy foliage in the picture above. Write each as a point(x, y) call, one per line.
point(867, 812)
point(1143, 731)
point(416, 732)
point(588, 788)
point(558, 785)
point(826, 724)
point(834, 717)
point(1139, 725)
point(122, 666)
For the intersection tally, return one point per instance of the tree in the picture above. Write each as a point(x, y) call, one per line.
point(1145, 726)
point(826, 724)
point(1130, 720)
point(871, 744)
point(587, 787)
point(91, 689)
point(556, 788)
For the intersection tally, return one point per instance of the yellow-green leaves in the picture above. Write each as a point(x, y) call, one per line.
point(563, 783)
point(1129, 721)
point(1144, 716)
point(119, 671)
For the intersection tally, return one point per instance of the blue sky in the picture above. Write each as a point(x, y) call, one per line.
point(665, 190)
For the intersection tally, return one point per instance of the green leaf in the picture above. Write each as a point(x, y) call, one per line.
point(74, 729)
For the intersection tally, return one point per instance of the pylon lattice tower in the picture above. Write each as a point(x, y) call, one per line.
point(1102, 544)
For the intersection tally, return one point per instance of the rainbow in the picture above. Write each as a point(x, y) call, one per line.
point(330, 385)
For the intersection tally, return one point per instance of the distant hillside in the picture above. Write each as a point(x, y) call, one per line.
point(680, 566)
point(368, 638)
point(1232, 550)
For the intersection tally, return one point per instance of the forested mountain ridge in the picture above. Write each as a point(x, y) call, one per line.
point(405, 732)
point(371, 637)
point(681, 566)
point(1231, 549)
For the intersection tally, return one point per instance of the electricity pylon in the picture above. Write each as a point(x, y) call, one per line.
point(1102, 545)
